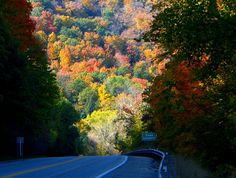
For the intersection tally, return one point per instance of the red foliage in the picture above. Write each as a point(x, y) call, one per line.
point(177, 88)
point(45, 22)
point(48, 16)
point(184, 81)
point(122, 59)
point(130, 50)
point(93, 65)
point(17, 13)
point(187, 90)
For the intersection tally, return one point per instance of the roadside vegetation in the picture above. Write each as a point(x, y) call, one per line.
point(193, 101)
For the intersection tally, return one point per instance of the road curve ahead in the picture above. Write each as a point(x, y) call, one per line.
point(79, 167)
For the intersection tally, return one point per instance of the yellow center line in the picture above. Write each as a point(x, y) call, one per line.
point(40, 168)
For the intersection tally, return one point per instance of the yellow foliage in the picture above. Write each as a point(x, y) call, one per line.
point(96, 119)
point(42, 35)
point(218, 81)
point(149, 54)
point(83, 125)
point(88, 79)
point(66, 18)
point(65, 57)
point(105, 98)
point(102, 93)
point(93, 85)
point(111, 39)
point(59, 9)
point(52, 38)
point(151, 2)
point(142, 47)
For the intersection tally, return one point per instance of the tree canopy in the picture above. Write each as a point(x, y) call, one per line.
point(192, 100)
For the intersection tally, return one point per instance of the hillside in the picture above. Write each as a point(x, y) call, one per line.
point(101, 68)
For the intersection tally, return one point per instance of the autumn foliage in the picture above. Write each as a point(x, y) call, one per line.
point(189, 102)
point(21, 25)
point(101, 69)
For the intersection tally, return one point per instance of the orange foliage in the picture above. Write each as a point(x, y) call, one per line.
point(184, 93)
point(79, 67)
point(128, 2)
point(103, 69)
point(36, 4)
point(98, 52)
point(142, 82)
point(51, 52)
point(188, 90)
point(55, 65)
point(161, 66)
point(65, 58)
point(92, 37)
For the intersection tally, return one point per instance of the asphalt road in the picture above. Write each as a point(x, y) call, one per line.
point(81, 167)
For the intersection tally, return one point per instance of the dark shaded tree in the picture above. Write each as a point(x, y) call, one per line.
point(192, 101)
point(29, 94)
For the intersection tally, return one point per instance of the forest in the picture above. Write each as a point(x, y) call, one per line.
point(89, 76)
point(101, 67)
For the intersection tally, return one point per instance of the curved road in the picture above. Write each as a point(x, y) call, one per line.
point(84, 167)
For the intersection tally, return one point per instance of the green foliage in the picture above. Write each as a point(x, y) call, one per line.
point(108, 14)
point(86, 24)
point(70, 41)
point(37, 11)
point(99, 77)
point(122, 71)
point(65, 135)
point(63, 21)
point(34, 0)
point(118, 84)
point(140, 71)
point(47, 4)
point(193, 100)
point(29, 94)
point(87, 101)
point(196, 27)
point(12, 67)
point(74, 89)
point(70, 33)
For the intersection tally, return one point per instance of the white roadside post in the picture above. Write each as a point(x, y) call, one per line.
point(20, 146)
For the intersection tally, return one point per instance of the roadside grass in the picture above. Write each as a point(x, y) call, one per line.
point(186, 168)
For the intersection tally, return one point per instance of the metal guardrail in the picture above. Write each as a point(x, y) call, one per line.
point(152, 153)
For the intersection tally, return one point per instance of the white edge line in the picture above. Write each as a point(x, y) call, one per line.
point(110, 170)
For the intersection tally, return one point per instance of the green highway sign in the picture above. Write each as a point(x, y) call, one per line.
point(149, 136)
